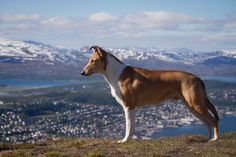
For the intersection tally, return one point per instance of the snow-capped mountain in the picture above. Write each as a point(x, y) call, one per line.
point(45, 59)
point(31, 50)
point(178, 55)
point(24, 51)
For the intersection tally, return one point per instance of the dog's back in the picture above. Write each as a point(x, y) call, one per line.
point(140, 86)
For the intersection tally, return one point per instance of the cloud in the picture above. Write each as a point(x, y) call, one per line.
point(222, 36)
point(159, 20)
point(59, 23)
point(103, 22)
point(102, 26)
point(136, 23)
point(102, 17)
point(230, 21)
point(19, 17)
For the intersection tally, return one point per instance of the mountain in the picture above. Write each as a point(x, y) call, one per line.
point(220, 60)
point(35, 60)
point(24, 51)
point(31, 59)
point(178, 55)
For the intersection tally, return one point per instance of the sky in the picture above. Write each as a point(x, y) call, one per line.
point(204, 25)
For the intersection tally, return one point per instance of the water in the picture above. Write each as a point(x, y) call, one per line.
point(226, 124)
point(36, 83)
point(230, 79)
point(50, 83)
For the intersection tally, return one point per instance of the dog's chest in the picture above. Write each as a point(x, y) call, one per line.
point(113, 72)
point(115, 91)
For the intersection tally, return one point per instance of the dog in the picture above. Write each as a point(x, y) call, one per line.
point(134, 87)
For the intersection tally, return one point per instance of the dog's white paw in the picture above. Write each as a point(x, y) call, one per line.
point(213, 139)
point(122, 141)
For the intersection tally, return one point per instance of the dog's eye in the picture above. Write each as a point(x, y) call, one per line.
point(92, 61)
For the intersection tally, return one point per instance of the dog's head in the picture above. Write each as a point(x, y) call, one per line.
point(96, 62)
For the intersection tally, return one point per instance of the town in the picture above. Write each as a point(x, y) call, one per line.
point(65, 112)
point(89, 120)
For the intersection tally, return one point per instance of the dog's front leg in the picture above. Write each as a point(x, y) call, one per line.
point(129, 121)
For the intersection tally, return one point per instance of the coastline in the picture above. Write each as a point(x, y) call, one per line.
point(197, 128)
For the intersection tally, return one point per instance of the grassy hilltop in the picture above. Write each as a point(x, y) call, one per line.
point(182, 146)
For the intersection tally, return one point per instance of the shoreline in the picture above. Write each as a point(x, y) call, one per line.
point(196, 128)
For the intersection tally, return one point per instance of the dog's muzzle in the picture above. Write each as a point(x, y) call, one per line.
point(83, 73)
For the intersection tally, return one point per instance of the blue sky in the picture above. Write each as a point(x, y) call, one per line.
point(199, 25)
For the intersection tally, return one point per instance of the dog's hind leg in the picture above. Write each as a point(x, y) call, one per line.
point(201, 118)
point(195, 102)
point(213, 122)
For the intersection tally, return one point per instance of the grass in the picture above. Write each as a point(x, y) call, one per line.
point(178, 146)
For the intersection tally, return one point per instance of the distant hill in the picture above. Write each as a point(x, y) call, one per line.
point(33, 60)
point(179, 146)
point(220, 60)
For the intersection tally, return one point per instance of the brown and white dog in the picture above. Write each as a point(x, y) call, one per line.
point(136, 87)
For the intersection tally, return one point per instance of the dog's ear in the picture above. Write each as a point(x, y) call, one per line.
point(93, 47)
point(98, 50)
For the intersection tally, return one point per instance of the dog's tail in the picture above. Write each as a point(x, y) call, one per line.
point(209, 105)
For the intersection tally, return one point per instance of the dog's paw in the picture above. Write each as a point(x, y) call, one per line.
point(122, 141)
point(212, 140)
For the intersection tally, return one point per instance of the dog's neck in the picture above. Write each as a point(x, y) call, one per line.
point(114, 69)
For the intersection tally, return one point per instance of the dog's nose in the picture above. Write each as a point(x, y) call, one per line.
point(82, 73)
